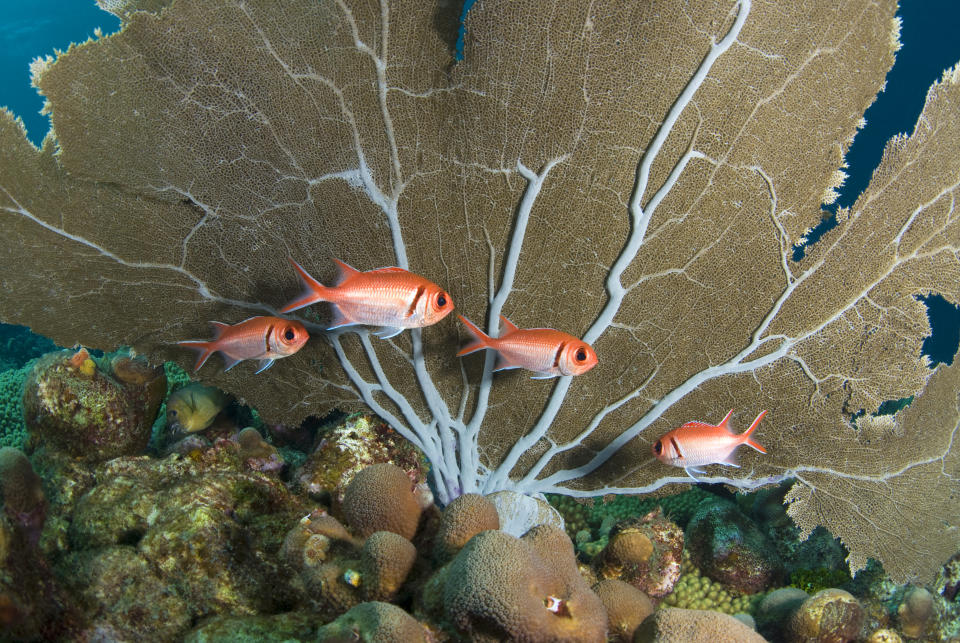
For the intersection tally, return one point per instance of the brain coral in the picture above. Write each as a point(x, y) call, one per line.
point(385, 561)
point(380, 622)
point(462, 519)
point(626, 607)
point(381, 497)
point(499, 588)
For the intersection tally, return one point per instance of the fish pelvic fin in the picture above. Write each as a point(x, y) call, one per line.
point(482, 340)
point(745, 436)
point(313, 292)
point(205, 350)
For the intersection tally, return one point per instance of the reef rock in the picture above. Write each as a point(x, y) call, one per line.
point(91, 410)
point(727, 546)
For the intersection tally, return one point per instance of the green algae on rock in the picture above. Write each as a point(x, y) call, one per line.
point(91, 411)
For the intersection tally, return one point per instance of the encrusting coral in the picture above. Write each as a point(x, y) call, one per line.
point(74, 405)
point(646, 552)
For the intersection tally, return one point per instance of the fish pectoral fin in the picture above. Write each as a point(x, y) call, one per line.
point(230, 362)
point(387, 332)
point(691, 470)
point(264, 365)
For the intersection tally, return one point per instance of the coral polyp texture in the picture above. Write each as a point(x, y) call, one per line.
point(635, 174)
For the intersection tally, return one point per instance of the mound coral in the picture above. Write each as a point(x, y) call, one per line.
point(462, 519)
point(374, 622)
point(385, 561)
point(674, 625)
point(382, 497)
point(498, 587)
point(626, 607)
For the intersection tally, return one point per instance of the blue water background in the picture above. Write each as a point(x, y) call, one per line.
point(930, 45)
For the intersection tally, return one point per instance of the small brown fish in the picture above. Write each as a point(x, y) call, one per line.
point(261, 338)
point(697, 444)
point(193, 408)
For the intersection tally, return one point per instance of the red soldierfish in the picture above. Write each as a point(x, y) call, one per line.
point(545, 351)
point(392, 298)
point(697, 444)
point(263, 338)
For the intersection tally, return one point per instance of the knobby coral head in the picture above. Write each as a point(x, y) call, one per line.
point(636, 176)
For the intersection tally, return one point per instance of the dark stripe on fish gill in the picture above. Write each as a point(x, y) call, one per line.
point(676, 445)
point(416, 298)
point(556, 358)
point(266, 340)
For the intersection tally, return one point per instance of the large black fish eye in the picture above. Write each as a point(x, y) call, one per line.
point(581, 355)
point(172, 412)
point(441, 300)
point(289, 334)
point(658, 447)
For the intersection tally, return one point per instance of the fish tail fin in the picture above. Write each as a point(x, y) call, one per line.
point(205, 350)
point(313, 292)
point(481, 339)
point(746, 434)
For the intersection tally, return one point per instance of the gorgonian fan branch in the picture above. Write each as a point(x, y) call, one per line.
point(639, 221)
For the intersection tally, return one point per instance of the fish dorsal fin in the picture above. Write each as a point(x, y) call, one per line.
point(218, 328)
point(506, 326)
point(344, 271)
point(393, 269)
point(725, 423)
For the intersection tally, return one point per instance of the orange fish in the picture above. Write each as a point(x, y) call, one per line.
point(697, 444)
point(392, 298)
point(545, 351)
point(262, 338)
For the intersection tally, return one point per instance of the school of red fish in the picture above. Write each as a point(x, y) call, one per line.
point(394, 299)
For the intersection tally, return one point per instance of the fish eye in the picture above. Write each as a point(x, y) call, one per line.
point(172, 412)
point(442, 300)
point(289, 334)
point(581, 355)
point(658, 447)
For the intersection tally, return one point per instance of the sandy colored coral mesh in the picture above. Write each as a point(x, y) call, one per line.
point(199, 147)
